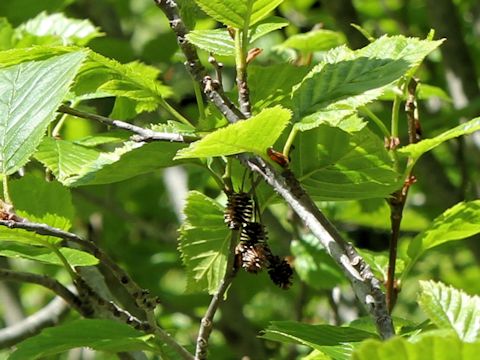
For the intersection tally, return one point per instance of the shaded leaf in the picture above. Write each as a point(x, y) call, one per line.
point(76, 165)
point(44, 255)
point(253, 135)
point(204, 243)
point(30, 93)
point(42, 202)
point(335, 165)
point(103, 335)
point(449, 308)
point(217, 41)
point(335, 341)
point(314, 266)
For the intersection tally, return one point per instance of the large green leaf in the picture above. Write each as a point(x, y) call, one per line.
point(450, 308)
point(45, 255)
point(346, 80)
point(29, 95)
point(204, 243)
point(76, 165)
point(16, 56)
point(52, 205)
point(432, 345)
point(253, 135)
point(456, 223)
point(238, 13)
point(335, 165)
point(272, 85)
point(70, 31)
point(102, 335)
point(418, 149)
point(335, 341)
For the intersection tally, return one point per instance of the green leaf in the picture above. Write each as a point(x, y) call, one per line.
point(6, 34)
point(314, 266)
point(70, 31)
point(418, 149)
point(47, 256)
point(204, 243)
point(253, 135)
point(449, 308)
point(272, 85)
point(134, 81)
point(217, 41)
point(347, 80)
point(101, 335)
point(52, 205)
point(459, 222)
point(431, 345)
point(315, 40)
point(238, 13)
point(334, 341)
point(76, 165)
point(335, 165)
point(29, 95)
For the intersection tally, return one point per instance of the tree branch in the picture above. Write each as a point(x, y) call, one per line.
point(142, 134)
point(365, 285)
point(48, 316)
point(206, 325)
point(141, 296)
point(46, 282)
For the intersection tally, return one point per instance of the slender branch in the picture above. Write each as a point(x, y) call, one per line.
point(141, 296)
point(206, 325)
point(241, 67)
point(142, 134)
point(46, 282)
point(48, 316)
point(194, 66)
point(367, 288)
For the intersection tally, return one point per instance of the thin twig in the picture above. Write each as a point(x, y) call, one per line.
point(46, 282)
point(206, 325)
point(141, 296)
point(48, 316)
point(142, 134)
point(398, 198)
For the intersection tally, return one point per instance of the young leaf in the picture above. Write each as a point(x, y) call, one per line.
point(456, 223)
point(76, 165)
point(39, 201)
point(334, 341)
point(29, 95)
point(253, 135)
point(102, 335)
point(450, 308)
point(204, 243)
point(74, 257)
point(431, 345)
point(238, 13)
point(418, 149)
point(335, 165)
point(70, 31)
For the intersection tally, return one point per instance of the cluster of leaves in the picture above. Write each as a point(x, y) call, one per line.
point(339, 155)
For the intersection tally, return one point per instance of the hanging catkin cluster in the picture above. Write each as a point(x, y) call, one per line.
point(252, 252)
